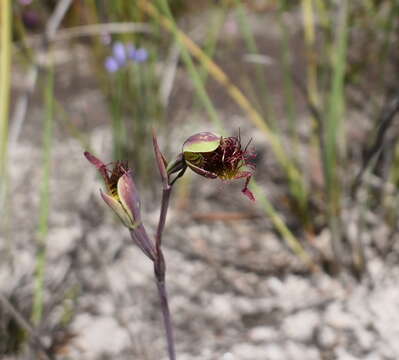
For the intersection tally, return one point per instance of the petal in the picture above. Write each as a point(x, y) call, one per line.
point(248, 193)
point(118, 209)
point(98, 164)
point(94, 160)
point(160, 159)
point(242, 174)
point(202, 142)
point(201, 172)
point(131, 51)
point(141, 55)
point(119, 52)
point(111, 64)
point(129, 197)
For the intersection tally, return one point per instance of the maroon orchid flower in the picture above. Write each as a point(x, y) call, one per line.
point(121, 194)
point(215, 156)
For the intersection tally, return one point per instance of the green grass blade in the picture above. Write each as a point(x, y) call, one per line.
point(335, 132)
point(38, 299)
point(288, 84)
point(5, 81)
point(310, 38)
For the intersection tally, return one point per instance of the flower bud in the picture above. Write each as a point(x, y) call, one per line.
point(121, 194)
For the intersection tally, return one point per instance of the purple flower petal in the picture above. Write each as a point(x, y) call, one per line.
point(129, 197)
point(119, 52)
point(131, 51)
point(111, 64)
point(141, 55)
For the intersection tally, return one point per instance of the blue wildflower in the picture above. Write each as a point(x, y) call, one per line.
point(131, 51)
point(119, 53)
point(141, 55)
point(111, 64)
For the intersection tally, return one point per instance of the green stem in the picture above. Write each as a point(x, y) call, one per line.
point(5, 80)
point(38, 300)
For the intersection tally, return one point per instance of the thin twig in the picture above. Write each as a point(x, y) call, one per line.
point(56, 17)
point(91, 30)
point(21, 106)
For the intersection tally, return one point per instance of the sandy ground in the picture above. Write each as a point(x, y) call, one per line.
point(235, 291)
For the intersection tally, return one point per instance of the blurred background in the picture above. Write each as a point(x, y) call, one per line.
point(308, 271)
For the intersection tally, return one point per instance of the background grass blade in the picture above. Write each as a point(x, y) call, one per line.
point(38, 300)
point(5, 81)
point(335, 131)
point(310, 38)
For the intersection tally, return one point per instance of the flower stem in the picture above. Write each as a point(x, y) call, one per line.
point(163, 296)
point(162, 216)
point(159, 270)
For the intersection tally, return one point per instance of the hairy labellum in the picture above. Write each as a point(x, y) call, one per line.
point(215, 156)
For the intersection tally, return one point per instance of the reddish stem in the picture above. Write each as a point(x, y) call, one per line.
point(159, 270)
